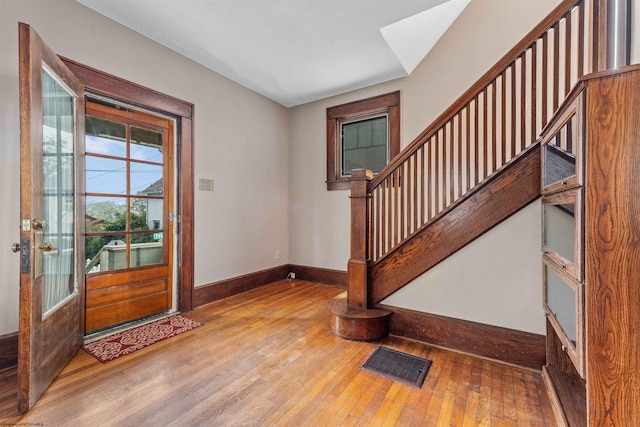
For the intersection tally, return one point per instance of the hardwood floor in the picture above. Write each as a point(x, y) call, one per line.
point(266, 357)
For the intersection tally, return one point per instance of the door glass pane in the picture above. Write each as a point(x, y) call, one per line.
point(559, 229)
point(146, 145)
point(108, 253)
point(364, 145)
point(561, 299)
point(106, 214)
point(146, 214)
point(146, 179)
point(146, 249)
point(106, 176)
point(58, 175)
point(105, 137)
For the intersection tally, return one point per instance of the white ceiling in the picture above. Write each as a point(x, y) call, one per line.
point(293, 51)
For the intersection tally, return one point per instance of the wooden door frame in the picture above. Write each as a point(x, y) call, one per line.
point(114, 87)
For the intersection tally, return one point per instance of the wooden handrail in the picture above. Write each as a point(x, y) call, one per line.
point(488, 127)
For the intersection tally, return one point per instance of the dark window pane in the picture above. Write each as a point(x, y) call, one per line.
point(146, 145)
point(364, 145)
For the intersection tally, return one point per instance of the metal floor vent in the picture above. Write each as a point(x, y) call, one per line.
point(398, 366)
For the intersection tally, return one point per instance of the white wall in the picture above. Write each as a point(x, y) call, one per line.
point(241, 141)
point(496, 279)
point(480, 36)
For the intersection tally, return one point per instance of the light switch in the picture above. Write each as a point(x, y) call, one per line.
point(205, 184)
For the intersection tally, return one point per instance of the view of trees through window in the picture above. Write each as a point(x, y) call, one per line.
point(115, 220)
point(125, 189)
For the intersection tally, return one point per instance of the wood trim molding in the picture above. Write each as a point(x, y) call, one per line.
point(337, 278)
point(388, 103)
point(507, 345)
point(111, 86)
point(225, 288)
point(130, 92)
point(494, 342)
point(8, 351)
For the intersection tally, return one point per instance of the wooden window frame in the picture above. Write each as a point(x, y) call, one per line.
point(376, 106)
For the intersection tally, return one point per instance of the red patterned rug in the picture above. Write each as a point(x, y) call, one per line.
point(127, 342)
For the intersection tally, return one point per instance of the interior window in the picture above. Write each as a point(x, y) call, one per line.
point(361, 135)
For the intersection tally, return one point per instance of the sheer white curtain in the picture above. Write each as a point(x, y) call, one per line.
point(59, 174)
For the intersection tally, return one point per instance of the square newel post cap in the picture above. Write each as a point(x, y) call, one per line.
point(360, 174)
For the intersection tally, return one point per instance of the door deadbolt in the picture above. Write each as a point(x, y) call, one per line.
point(15, 247)
point(39, 224)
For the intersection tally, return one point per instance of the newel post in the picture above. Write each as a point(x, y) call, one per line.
point(358, 260)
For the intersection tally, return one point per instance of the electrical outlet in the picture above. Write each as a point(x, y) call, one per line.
point(277, 254)
point(292, 275)
point(205, 184)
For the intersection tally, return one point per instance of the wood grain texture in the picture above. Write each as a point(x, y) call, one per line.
point(186, 214)
point(130, 309)
point(267, 357)
point(225, 288)
point(567, 394)
point(8, 351)
point(507, 345)
point(613, 249)
point(325, 276)
point(124, 90)
point(108, 291)
point(45, 342)
point(359, 248)
point(504, 194)
point(355, 323)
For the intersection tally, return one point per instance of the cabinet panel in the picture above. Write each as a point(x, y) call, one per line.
point(562, 231)
point(591, 290)
point(563, 303)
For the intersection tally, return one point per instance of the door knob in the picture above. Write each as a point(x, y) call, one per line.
point(15, 247)
point(47, 246)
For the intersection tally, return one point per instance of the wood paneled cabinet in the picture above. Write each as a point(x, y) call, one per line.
point(591, 251)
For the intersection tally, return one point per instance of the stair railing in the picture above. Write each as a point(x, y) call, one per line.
point(489, 126)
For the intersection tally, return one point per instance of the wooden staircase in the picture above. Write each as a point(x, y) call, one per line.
point(472, 168)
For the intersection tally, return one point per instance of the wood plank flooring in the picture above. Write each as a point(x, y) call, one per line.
point(267, 357)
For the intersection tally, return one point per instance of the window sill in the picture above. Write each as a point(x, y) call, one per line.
point(343, 184)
